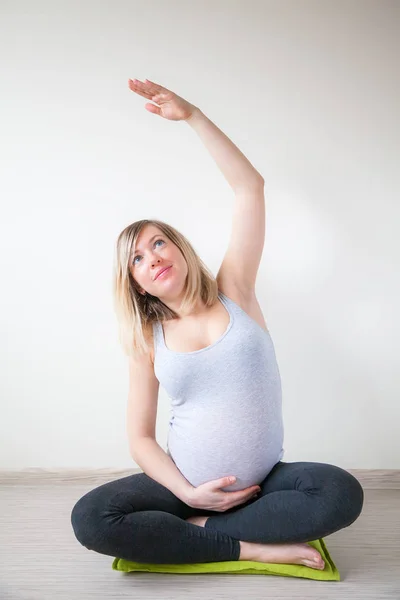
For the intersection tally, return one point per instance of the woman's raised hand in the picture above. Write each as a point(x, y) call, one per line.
point(170, 105)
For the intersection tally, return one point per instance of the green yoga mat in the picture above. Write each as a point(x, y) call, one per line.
point(330, 572)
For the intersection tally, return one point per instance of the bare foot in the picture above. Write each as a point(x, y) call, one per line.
point(298, 554)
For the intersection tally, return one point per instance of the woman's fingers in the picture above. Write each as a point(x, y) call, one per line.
point(254, 489)
point(243, 497)
point(158, 88)
point(148, 86)
point(140, 90)
point(253, 492)
point(146, 92)
point(153, 88)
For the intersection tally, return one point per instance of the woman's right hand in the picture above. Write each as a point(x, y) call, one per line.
point(210, 496)
point(170, 105)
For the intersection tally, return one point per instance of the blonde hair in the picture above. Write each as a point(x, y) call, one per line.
point(136, 312)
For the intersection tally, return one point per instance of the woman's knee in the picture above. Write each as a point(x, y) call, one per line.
point(85, 520)
point(348, 494)
point(356, 497)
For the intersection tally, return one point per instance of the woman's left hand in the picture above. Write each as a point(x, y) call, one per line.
point(170, 105)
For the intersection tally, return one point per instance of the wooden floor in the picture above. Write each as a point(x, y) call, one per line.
point(41, 558)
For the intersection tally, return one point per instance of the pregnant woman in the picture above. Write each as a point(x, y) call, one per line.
point(205, 340)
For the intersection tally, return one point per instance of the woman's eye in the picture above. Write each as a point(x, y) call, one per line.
point(156, 242)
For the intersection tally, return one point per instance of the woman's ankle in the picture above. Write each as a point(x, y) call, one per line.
point(246, 551)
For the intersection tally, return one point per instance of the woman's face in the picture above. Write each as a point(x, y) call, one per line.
point(155, 251)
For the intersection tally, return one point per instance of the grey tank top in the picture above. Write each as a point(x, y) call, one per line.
point(226, 403)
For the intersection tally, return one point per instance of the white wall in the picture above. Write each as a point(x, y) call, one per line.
point(309, 91)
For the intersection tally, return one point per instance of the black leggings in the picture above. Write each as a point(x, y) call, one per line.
point(138, 519)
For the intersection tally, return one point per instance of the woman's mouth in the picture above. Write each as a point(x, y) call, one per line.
point(163, 273)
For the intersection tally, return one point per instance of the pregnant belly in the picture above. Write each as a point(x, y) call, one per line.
point(200, 459)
